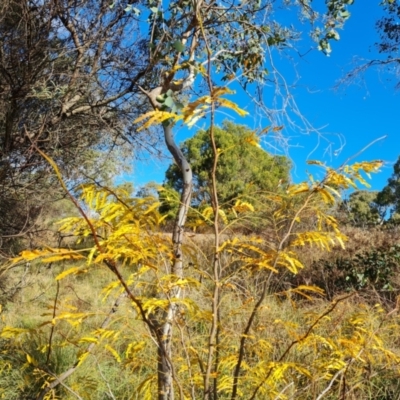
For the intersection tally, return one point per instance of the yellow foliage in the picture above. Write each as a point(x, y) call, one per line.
point(156, 117)
point(113, 352)
point(288, 259)
point(49, 255)
point(297, 189)
point(292, 348)
point(242, 207)
point(323, 240)
point(70, 271)
point(193, 111)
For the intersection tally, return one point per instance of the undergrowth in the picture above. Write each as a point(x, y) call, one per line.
point(348, 339)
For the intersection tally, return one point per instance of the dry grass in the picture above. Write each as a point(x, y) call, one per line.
point(279, 336)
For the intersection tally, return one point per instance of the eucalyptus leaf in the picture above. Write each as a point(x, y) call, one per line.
point(179, 46)
point(345, 14)
point(169, 102)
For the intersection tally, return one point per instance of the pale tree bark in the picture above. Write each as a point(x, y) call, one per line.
point(165, 370)
point(164, 324)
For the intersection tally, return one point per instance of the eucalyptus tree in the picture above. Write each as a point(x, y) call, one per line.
point(361, 209)
point(388, 199)
point(245, 172)
point(389, 44)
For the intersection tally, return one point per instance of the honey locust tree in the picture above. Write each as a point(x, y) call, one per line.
point(244, 171)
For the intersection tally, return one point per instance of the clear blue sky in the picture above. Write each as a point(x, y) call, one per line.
point(359, 113)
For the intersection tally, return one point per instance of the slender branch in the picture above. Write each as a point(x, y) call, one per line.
point(65, 375)
point(292, 344)
point(329, 387)
point(214, 331)
point(52, 325)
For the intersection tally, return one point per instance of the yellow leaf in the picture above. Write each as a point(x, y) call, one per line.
point(31, 360)
point(113, 352)
point(301, 288)
point(190, 111)
point(334, 191)
point(326, 196)
point(48, 255)
point(287, 260)
point(207, 213)
point(299, 188)
point(253, 139)
point(70, 271)
point(82, 357)
point(28, 255)
point(156, 117)
point(340, 239)
point(134, 348)
point(227, 243)
point(88, 339)
point(223, 216)
point(233, 106)
point(221, 90)
point(64, 256)
point(11, 332)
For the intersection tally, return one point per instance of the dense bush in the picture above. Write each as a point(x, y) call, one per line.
point(369, 271)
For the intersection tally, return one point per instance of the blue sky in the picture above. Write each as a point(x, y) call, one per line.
point(354, 115)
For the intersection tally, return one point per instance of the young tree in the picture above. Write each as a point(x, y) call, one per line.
point(225, 346)
point(201, 38)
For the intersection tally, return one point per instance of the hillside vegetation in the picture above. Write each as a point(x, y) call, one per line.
point(228, 281)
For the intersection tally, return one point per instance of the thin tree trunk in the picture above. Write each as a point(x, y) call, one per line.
point(165, 367)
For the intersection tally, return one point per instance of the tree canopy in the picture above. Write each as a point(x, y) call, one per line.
point(361, 208)
point(368, 208)
point(63, 86)
point(389, 197)
point(389, 32)
point(244, 169)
